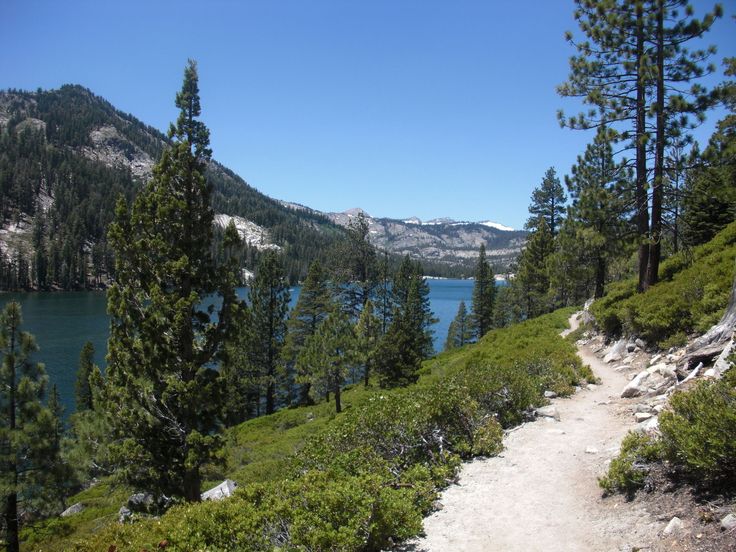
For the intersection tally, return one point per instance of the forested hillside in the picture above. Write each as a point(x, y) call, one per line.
point(65, 157)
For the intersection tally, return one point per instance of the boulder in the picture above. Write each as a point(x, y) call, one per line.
point(640, 343)
point(548, 412)
point(673, 527)
point(124, 514)
point(635, 387)
point(550, 394)
point(587, 319)
point(649, 426)
point(616, 352)
point(710, 373)
point(223, 490)
point(141, 502)
point(642, 407)
point(643, 416)
point(73, 509)
point(591, 387)
point(630, 347)
point(728, 523)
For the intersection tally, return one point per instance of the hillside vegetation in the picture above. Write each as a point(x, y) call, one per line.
point(362, 478)
point(691, 296)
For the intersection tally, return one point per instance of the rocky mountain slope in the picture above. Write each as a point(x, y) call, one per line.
point(443, 240)
point(67, 155)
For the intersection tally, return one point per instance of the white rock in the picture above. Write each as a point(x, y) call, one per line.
point(673, 526)
point(616, 352)
point(710, 373)
point(728, 523)
point(548, 412)
point(636, 386)
point(223, 490)
point(642, 416)
point(642, 407)
point(591, 387)
point(73, 509)
point(640, 343)
point(654, 359)
point(591, 450)
point(648, 426)
point(550, 394)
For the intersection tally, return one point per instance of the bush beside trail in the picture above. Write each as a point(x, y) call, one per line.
point(366, 477)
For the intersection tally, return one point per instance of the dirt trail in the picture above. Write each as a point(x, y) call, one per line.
point(541, 493)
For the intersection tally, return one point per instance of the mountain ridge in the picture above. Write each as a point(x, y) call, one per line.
point(444, 241)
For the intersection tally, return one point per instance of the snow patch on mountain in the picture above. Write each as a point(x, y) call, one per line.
point(496, 225)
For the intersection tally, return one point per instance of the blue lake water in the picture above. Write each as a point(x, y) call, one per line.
point(63, 321)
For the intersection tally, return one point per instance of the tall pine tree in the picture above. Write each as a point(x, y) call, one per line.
point(484, 294)
point(548, 202)
point(170, 308)
point(312, 307)
point(29, 431)
point(266, 334)
point(328, 355)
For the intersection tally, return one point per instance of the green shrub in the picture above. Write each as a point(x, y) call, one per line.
point(699, 433)
point(313, 480)
point(628, 471)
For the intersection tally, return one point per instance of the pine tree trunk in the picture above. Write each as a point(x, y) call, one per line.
point(642, 203)
point(655, 247)
point(192, 485)
point(600, 276)
point(11, 522)
point(338, 404)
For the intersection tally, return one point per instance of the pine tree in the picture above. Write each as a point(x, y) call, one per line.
point(612, 73)
point(633, 66)
point(83, 389)
point(460, 332)
point(269, 305)
point(328, 355)
point(548, 202)
point(170, 308)
point(484, 294)
point(355, 266)
point(709, 202)
point(532, 278)
point(312, 307)
point(598, 190)
point(409, 337)
point(368, 333)
point(29, 456)
point(676, 67)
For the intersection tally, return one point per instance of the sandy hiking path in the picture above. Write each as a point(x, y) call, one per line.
point(541, 492)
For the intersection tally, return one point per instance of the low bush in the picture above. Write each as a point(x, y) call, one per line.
point(699, 432)
point(629, 470)
point(313, 480)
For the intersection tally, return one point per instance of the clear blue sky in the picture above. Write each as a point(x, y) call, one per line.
point(405, 108)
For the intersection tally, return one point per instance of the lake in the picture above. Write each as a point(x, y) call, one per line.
point(63, 321)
